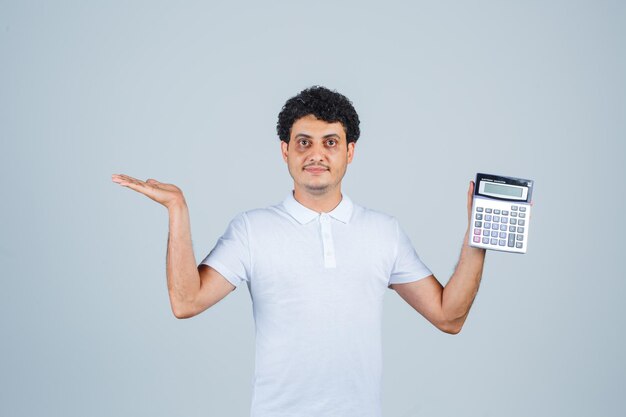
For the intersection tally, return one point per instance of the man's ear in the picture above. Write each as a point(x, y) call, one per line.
point(351, 146)
point(284, 148)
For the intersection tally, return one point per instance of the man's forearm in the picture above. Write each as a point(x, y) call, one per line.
point(183, 279)
point(461, 289)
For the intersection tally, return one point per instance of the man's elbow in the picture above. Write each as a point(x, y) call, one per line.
point(182, 312)
point(180, 315)
point(451, 327)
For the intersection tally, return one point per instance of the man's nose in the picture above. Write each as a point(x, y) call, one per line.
point(317, 153)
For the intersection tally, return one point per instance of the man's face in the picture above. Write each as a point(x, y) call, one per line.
point(317, 154)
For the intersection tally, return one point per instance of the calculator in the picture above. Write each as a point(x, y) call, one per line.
point(501, 213)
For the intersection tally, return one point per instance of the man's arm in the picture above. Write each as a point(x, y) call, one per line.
point(447, 307)
point(191, 289)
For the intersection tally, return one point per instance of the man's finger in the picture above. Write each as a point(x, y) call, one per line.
point(470, 196)
point(132, 183)
point(134, 186)
point(127, 179)
point(119, 178)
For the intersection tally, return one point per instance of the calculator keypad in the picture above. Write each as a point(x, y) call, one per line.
point(500, 228)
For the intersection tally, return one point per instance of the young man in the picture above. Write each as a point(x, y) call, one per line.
point(317, 267)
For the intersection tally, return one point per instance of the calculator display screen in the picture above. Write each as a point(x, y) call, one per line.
point(503, 189)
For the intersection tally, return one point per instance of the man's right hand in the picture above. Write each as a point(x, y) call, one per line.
point(192, 288)
point(167, 194)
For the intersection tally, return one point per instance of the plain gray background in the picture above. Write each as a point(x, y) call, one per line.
point(188, 93)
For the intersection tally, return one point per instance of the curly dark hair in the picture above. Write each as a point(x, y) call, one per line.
point(324, 104)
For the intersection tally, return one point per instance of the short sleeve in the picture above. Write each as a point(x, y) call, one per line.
point(231, 254)
point(408, 267)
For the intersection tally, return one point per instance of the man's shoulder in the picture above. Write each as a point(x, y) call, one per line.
point(366, 214)
point(262, 213)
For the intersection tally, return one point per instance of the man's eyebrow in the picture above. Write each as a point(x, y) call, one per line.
point(330, 135)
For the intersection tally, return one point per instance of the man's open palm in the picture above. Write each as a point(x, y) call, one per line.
point(166, 194)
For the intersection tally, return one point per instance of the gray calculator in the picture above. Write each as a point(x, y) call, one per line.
point(501, 213)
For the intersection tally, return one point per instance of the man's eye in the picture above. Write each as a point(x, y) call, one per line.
point(331, 142)
point(303, 142)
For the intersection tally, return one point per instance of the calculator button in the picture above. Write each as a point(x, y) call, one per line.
point(488, 217)
point(522, 215)
point(520, 230)
point(494, 233)
point(477, 231)
point(479, 209)
point(487, 225)
point(503, 227)
point(511, 228)
point(504, 220)
point(519, 245)
point(477, 239)
point(521, 222)
point(478, 224)
point(496, 219)
point(505, 213)
point(514, 214)
point(502, 242)
point(522, 209)
point(485, 232)
point(513, 208)
point(488, 210)
point(520, 237)
point(511, 240)
point(513, 221)
point(494, 241)
point(496, 211)
point(479, 216)
point(485, 240)
point(502, 235)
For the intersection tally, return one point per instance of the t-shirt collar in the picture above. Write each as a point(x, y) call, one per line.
point(303, 214)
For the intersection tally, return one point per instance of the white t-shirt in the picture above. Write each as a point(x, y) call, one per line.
point(317, 283)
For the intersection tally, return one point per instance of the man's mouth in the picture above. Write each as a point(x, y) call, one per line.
point(315, 169)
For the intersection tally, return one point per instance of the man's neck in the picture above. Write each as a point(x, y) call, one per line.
point(322, 203)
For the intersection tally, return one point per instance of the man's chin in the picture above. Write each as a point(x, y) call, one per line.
point(317, 189)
